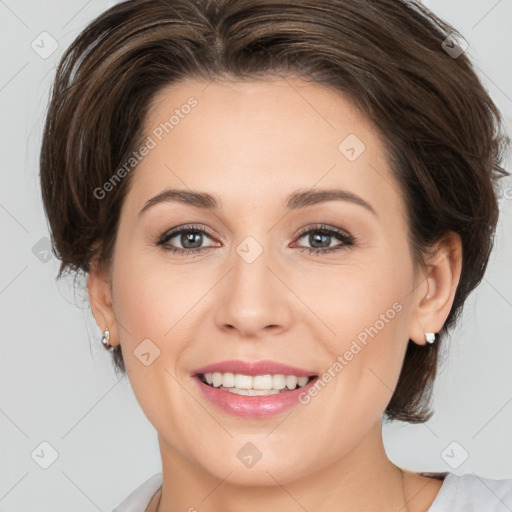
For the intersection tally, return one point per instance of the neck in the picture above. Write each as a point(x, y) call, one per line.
point(364, 479)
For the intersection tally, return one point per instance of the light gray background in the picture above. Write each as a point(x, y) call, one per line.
point(57, 382)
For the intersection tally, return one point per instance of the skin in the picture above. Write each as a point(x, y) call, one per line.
point(251, 144)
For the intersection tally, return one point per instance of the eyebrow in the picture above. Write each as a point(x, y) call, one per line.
point(296, 200)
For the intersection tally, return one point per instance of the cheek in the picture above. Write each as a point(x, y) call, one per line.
point(154, 306)
point(372, 357)
point(355, 303)
point(148, 311)
point(367, 313)
point(149, 298)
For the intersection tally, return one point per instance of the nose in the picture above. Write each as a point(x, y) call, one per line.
point(253, 299)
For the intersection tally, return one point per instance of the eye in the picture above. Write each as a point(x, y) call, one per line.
point(189, 237)
point(320, 238)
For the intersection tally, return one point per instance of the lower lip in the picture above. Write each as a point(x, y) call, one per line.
point(253, 406)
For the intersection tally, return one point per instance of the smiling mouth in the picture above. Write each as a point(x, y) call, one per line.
point(257, 385)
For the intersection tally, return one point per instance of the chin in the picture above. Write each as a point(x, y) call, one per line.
point(277, 469)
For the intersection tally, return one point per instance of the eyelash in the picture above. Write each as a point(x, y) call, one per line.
point(347, 239)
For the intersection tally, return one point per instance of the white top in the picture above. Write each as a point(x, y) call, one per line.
point(466, 493)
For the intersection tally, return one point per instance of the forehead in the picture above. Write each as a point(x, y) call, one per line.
point(249, 140)
point(300, 113)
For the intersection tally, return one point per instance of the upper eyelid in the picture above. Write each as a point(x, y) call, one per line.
point(171, 233)
point(324, 227)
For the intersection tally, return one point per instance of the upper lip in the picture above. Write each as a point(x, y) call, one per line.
point(254, 368)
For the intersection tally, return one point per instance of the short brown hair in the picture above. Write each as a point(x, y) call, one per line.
point(442, 132)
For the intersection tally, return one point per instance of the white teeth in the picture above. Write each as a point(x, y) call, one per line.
point(217, 379)
point(262, 382)
point(253, 392)
point(228, 380)
point(243, 381)
point(279, 381)
point(254, 385)
point(291, 381)
point(302, 381)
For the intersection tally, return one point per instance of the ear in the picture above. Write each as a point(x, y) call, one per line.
point(435, 292)
point(100, 299)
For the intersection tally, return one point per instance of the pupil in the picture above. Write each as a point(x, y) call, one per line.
point(313, 238)
point(189, 237)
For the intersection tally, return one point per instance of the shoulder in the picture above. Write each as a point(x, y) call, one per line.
point(141, 496)
point(473, 493)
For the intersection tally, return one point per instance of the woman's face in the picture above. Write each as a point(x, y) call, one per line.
point(251, 288)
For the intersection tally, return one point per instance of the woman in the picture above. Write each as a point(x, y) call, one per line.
point(280, 209)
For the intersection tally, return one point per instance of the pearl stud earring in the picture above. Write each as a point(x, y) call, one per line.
point(105, 339)
point(430, 337)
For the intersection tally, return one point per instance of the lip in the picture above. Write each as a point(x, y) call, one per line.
point(253, 406)
point(254, 368)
